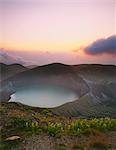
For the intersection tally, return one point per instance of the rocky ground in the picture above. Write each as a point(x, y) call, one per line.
point(45, 142)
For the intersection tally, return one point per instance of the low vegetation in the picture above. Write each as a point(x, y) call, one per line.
point(77, 146)
point(26, 122)
point(73, 127)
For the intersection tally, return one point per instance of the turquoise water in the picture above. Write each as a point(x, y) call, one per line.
point(43, 96)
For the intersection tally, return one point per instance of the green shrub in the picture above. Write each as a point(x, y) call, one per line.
point(18, 123)
point(46, 112)
point(61, 147)
point(75, 127)
point(54, 129)
point(77, 147)
point(83, 126)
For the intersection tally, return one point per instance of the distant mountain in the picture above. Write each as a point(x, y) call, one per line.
point(95, 86)
point(100, 100)
point(31, 66)
point(7, 71)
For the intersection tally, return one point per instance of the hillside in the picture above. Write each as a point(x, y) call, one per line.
point(96, 72)
point(7, 71)
point(100, 100)
point(31, 128)
point(86, 107)
point(51, 75)
point(95, 86)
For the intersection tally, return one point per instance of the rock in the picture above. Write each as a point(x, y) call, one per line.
point(12, 138)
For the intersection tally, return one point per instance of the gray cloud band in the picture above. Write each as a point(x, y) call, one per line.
point(101, 46)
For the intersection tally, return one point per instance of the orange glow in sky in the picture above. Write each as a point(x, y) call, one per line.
point(59, 26)
point(55, 25)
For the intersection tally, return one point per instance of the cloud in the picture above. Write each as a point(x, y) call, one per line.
point(102, 46)
point(7, 58)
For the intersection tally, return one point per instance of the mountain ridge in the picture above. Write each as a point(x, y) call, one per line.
point(95, 85)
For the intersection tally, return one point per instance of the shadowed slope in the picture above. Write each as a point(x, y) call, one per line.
point(86, 106)
point(7, 71)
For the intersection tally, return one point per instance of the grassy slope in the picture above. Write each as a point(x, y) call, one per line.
point(41, 129)
point(85, 107)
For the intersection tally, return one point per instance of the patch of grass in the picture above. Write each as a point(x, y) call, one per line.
point(53, 129)
point(9, 145)
point(19, 122)
point(84, 126)
point(90, 131)
point(99, 145)
point(61, 147)
point(46, 112)
point(3, 146)
point(76, 127)
point(77, 147)
point(2, 109)
point(99, 142)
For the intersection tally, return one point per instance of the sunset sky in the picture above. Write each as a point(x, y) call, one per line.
point(45, 31)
